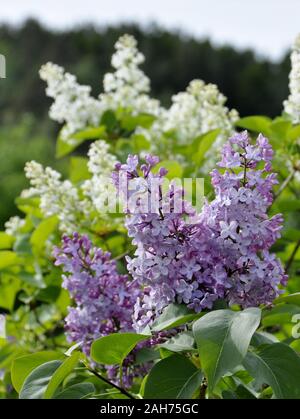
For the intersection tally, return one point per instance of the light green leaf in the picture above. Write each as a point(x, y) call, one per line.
point(174, 168)
point(91, 133)
point(259, 124)
point(8, 291)
point(277, 365)
point(114, 348)
point(79, 169)
point(223, 338)
point(43, 231)
point(8, 258)
point(205, 142)
point(24, 365)
point(6, 241)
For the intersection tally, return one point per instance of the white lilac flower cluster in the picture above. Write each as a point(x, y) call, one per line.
point(73, 104)
point(128, 86)
point(57, 197)
point(101, 163)
point(199, 109)
point(71, 204)
point(14, 225)
point(223, 253)
point(292, 104)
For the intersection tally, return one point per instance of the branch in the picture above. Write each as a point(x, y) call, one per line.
point(120, 389)
point(284, 184)
point(292, 257)
point(203, 389)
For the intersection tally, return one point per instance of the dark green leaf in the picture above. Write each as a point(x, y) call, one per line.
point(180, 343)
point(76, 391)
point(278, 366)
point(37, 381)
point(223, 337)
point(171, 378)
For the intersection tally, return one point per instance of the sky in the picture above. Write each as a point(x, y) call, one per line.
point(268, 26)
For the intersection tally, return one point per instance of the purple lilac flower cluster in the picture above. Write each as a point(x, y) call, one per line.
point(103, 298)
point(223, 252)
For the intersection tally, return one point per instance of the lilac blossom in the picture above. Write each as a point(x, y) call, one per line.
point(221, 253)
point(103, 298)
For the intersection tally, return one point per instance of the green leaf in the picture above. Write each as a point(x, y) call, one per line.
point(259, 124)
point(290, 299)
point(294, 133)
point(6, 241)
point(263, 338)
point(291, 234)
point(109, 120)
point(205, 142)
point(140, 143)
point(289, 204)
point(146, 355)
point(130, 122)
point(114, 348)
point(280, 314)
point(180, 343)
point(49, 294)
point(79, 169)
point(37, 381)
point(240, 393)
point(43, 231)
point(24, 365)
point(91, 133)
point(76, 391)
point(172, 316)
point(279, 131)
point(8, 258)
point(8, 292)
point(174, 168)
point(223, 337)
point(63, 148)
point(277, 365)
point(60, 374)
point(192, 384)
point(171, 378)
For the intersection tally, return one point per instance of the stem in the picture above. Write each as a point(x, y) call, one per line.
point(120, 389)
point(203, 389)
point(122, 255)
point(245, 172)
point(284, 185)
point(292, 257)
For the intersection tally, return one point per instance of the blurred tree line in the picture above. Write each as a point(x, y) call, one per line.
point(253, 85)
